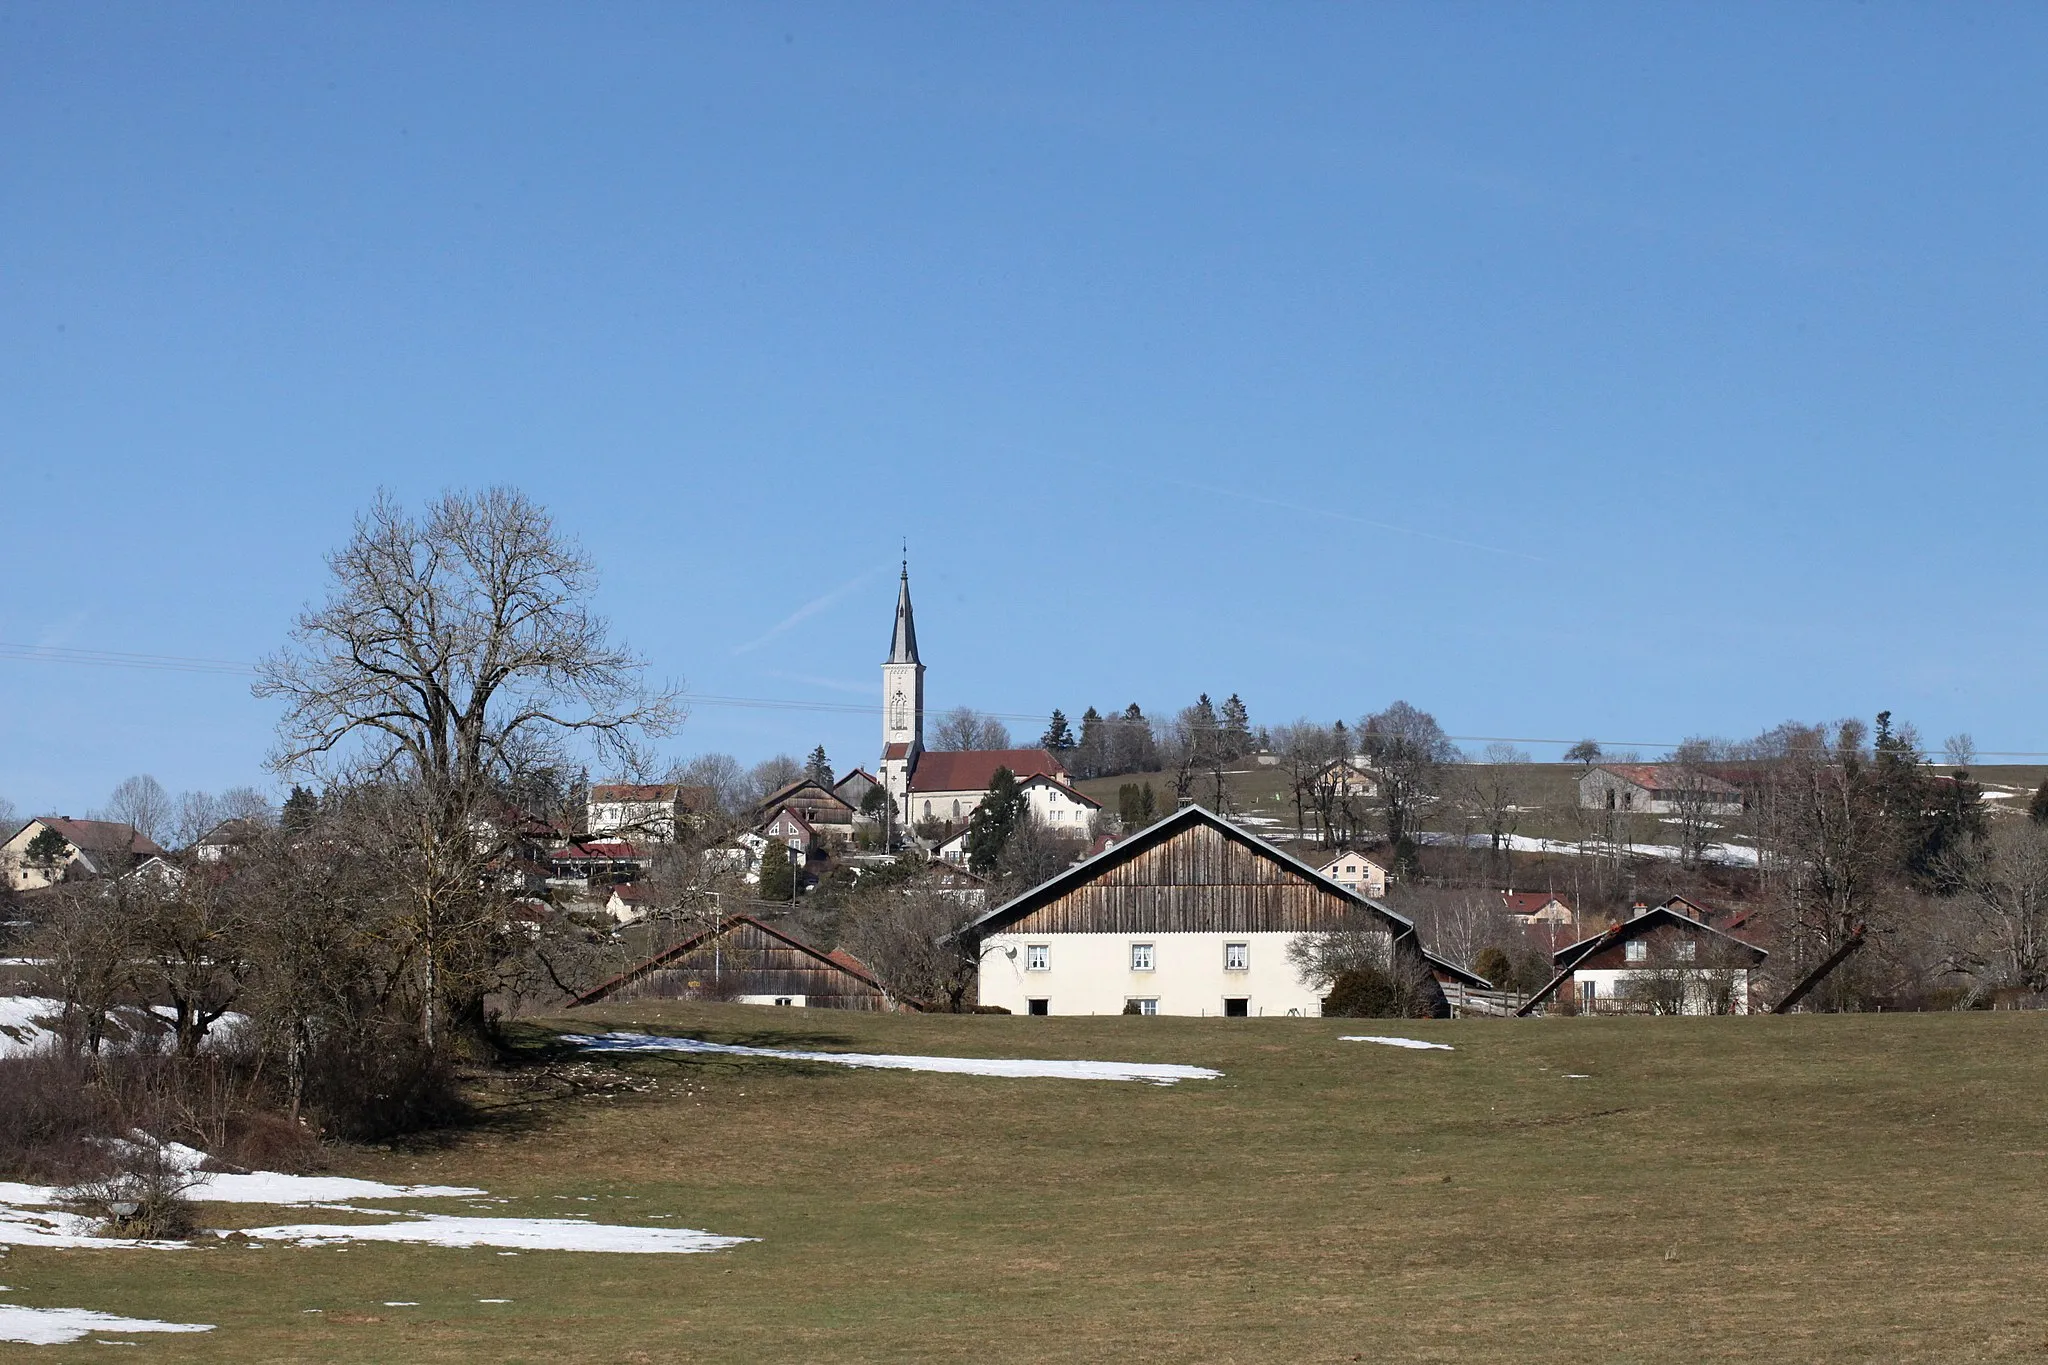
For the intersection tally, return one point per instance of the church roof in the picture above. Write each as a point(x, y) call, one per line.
point(964, 770)
point(903, 646)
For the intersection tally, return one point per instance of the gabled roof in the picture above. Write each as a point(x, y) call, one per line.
point(1666, 777)
point(971, 770)
point(595, 849)
point(101, 836)
point(616, 792)
point(1341, 854)
point(1644, 923)
point(1074, 794)
point(1530, 902)
point(845, 962)
point(796, 817)
point(1158, 833)
point(232, 833)
point(788, 791)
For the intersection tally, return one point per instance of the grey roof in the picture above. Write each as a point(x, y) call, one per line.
point(1650, 919)
point(903, 646)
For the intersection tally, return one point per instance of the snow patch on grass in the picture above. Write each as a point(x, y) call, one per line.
point(59, 1326)
point(1155, 1073)
point(527, 1234)
point(1395, 1042)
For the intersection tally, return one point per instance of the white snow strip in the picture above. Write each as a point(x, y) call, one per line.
point(1577, 1076)
point(1157, 1073)
point(59, 1326)
point(270, 1187)
point(1394, 1042)
point(528, 1234)
point(20, 1228)
point(20, 1034)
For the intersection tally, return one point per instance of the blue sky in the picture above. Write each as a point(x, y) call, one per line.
point(1614, 370)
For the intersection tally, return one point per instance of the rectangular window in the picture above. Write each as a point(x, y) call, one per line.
point(1237, 957)
point(1636, 950)
point(1686, 948)
point(1237, 1009)
point(1038, 958)
point(1141, 957)
point(1038, 1007)
point(1146, 1006)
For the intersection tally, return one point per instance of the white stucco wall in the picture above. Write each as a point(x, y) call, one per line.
point(1091, 974)
point(1607, 982)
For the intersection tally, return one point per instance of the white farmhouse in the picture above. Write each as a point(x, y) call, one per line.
point(1190, 916)
point(1355, 872)
point(51, 848)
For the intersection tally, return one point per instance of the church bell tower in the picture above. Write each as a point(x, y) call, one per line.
point(902, 704)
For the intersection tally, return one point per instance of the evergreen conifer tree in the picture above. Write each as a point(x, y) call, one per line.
point(818, 767)
point(1058, 736)
point(1237, 727)
point(994, 821)
point(778, 876)
point(301, 808)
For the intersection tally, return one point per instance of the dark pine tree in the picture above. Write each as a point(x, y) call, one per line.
point(994, 821)
point(301, 808)
point(818, 767)
point(1058, 736)
point(1237, 727)
point(778, 876)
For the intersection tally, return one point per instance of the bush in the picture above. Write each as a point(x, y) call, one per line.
point(379, 1085)
point(1367, 992)
point(1497, 967)
point(1131, 1007)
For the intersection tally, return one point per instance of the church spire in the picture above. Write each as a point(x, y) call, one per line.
point(903, 648)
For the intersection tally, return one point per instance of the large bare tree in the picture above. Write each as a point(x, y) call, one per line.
point(457, 652)
point(1406, 750)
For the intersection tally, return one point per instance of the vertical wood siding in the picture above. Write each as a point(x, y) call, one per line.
point(1197, 880)
point(749, 962)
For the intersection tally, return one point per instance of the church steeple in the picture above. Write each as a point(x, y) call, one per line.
point(903, 648)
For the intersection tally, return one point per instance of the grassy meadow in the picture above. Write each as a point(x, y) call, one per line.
point(1811, 1188)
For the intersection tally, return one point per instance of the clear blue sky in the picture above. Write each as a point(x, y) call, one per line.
point(1632, 371)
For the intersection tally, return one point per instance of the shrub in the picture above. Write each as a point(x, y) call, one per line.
point(1369, 992)
point(1131, 1007)
point(1497, 967)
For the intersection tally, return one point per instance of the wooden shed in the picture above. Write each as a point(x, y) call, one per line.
point(749, 962)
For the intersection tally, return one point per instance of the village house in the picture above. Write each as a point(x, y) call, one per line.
point(1657, 789)
point(226, 839)
point(1531, 908)
point(750, 962)
point(1347, 777)
point(649, 812)
point(854, 789)
point(591, 863)
point(1354, 871)
point(1661, 961)
point(825, 814)
point(89, 848)
point(1190, 916)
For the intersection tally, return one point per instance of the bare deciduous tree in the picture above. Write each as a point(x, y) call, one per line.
point(963, 727)
point(456, 652)
point(142, 802)
point(2003, 878)
point(1406, 749)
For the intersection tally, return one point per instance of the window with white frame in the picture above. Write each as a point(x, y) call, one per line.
point(1686, 948)
point(1141, 957)
point(1037, 957)
point(1636, 950)
point(1146, 1005)
point(1237, 957)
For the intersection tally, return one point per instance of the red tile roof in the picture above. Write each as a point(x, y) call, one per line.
point(1529, 902)
point(1661, 777)
point(102, 836)
point(970, 770)
point(890, 751)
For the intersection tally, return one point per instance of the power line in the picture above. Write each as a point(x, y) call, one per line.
point(175, 663)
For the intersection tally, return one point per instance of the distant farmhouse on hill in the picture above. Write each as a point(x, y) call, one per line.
point(1657, 789)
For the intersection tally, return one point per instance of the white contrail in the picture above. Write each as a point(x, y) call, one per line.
point(806, 611)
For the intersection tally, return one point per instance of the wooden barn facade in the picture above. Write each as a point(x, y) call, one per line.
point(1190, 916)
point(749, 962)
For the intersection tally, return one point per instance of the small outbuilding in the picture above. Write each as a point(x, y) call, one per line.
point(749, 962)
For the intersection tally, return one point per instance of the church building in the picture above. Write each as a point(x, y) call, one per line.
point(946, 786)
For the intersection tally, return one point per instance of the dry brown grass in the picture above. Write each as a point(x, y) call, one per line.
point(1802, 1189)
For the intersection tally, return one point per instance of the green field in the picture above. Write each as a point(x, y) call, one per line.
point(1808, 1188)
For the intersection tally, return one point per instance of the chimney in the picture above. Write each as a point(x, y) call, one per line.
point(1638, 909)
